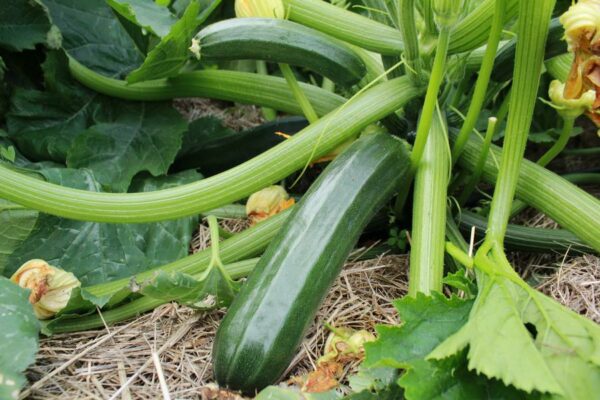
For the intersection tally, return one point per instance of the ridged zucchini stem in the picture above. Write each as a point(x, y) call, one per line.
point(479, 94)
point(303, 102)
point(271, 166)
point(429, 105)
point(429, 213)
point(549, 155)
point(136, 307)
point(268, 113)
point(371, 35)
point(408, 29)
point(529, 59)
point(475, 176)
point(240, 87)
point(249, 243)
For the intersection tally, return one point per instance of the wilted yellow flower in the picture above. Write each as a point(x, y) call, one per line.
point(570, 108)
point(50, 287)
point(582, 31)
point(267, 202)
point(260, 9)
point(345, 342)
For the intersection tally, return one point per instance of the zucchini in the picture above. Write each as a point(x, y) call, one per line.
point(212, 149)
point(281, 41)
point(258, 337)
point(524, 238)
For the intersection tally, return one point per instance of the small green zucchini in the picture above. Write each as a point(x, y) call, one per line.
point(281, 41)
point(266, 323)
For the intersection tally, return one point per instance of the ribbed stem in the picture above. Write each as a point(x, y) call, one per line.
point(408, 29)
point(271, 166)
point(435, 81)
point(307, 108)
point(137, 307)
point(479, 94)
point(268, 113)
point(475, 175)
point(532, 32)
point(429, 213)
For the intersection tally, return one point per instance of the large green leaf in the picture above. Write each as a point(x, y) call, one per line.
point(23, 24)
point(16, 223)
point(135, 137)
point(98, 253)
point(427, 322)
point(93, 35)
point(528, 340)
point(18, 337)
point(145, 14)
point(167, 58)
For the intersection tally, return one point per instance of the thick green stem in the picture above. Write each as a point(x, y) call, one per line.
point(435, 81)
point(408, 29)
point(429, 213)
point(307, 108)
point(269, 113)
point(139, 306)
point(548, 156)
point(571, 207)
point(476, 173)
point(481, 86)
point(271, 166)
point(532, 33)
point(241, 87)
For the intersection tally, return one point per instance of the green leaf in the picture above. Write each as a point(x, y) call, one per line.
point(428, 320)
point(284, 393)
point(166, 59)
point(18, 337)
point(525, 339)
point(145, 14)
point(43, 124)
point(16, 223)
point(136, 137)
point(93, 35)
point(372, 379)
point(8, 153)
point(23, 24)
point(214, 289)
point(98, 253)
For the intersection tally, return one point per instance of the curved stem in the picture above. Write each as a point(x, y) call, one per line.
point(482, 81)
point(307, 108)
point(560, 144)
point(224, 188)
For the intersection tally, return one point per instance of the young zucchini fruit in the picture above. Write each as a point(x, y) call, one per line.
point(265, 324)
point(281, 41)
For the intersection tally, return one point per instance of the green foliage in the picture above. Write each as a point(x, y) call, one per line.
point(145, 14)
point(98, 253)
point(23, 24)
point(93, 35)
point(283, 393)
point(16, 223)
point(171, 54)
point(18, 337)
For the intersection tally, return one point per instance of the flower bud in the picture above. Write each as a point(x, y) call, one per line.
point(570, 107)
point(259, 9)
point(267, 202)
point(446, 12)
point(50, 286)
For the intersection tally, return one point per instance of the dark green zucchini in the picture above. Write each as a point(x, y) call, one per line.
point(524, 238)
point(212, 149)
point(281, 41)
point(258, 337)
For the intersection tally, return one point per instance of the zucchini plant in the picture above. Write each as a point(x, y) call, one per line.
point(102, 181)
